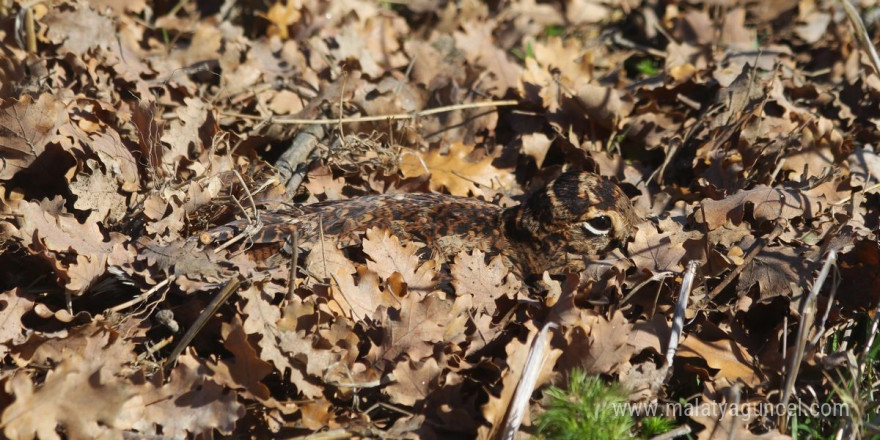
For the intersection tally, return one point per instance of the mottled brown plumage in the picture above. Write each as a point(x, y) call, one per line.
point(578, 214)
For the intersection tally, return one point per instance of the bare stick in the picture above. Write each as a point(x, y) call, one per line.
point(141, 297)
point(749, 257)
point(808, 315)
point(528, 378)
point(200, 322)
point(680, 307)
point(294, 262)
point(392, 117)
point(862, 34)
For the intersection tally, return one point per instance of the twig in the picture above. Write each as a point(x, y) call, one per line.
point(141, 297)
point(294, 262)
point(749, 257)
point(808, 316)
point(526, 386)
point(681, 431)
point(680, 308)
point(862, 34)
point(291, 163)
point(333, 434)
point(30, 33)
point(200, 322)
point(392, 117)
point(659, 276)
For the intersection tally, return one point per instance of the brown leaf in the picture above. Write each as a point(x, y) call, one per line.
point(769, 204)
point(245, 370)
point(73, 398)
point(360, 301)
point(79, 30)
point(82, 395)
point(98, 192)
point(26, 127)
point(388, 256)
point(517, 353)
point(724, 355)
point(14, 304)
point(454, 171)
point(188, 403)
point(485, 282)
point(778, 271)
point(416, 326)
point(413, 381)
point(656, 252)
point(596, 345)
point(477, 41)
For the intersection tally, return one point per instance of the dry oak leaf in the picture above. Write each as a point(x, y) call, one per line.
point(82, 395)
point(120, 163)
point(454, 171)
point(26, 127)
point(362, 298)
point(656, 252)
point(388, 256)
point(778, 271)
point(413, 381)
point(477, 41)
point(597, 345)
point(14, 304)
point(279, 337)
point(769, 204)
point(484, 282)
point(188, 402)
point(724, 355)
point(415, 326)
point(517, 352)
point(245, 370)
point(79, 30)
point(730, 423)
point(57, 235)
point(98, 192)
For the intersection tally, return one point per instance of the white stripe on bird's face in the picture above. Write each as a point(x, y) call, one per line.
point(595, 230)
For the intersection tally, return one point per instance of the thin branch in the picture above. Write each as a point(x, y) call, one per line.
point(808, 317)
point(200, 322)
point(392, 117)
point(862, 34)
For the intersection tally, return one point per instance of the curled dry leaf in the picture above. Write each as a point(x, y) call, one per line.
point(768, 204)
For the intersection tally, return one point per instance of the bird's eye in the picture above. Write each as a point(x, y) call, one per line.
point(599, 225)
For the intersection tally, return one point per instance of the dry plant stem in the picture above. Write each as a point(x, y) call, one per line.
point(333, 434)
point(154, 348)
point(200, 322)
point(294, 262)
point(808, 316)
point(680, 307)
point(141, 297)
point(659, 276)
point(520, 401)
point(830, 302)
point(392, 117)
point(748, 259)
point(291, 163)
point(30, 33)
point(862, 34)
point(681, 431)
point(870, 342)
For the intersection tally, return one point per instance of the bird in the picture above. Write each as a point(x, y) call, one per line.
point(578, 214)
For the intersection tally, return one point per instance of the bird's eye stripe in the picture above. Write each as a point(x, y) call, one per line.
point(599, 225)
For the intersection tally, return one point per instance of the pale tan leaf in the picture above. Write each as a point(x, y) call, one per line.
point(454, 171)
point(388, 256)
